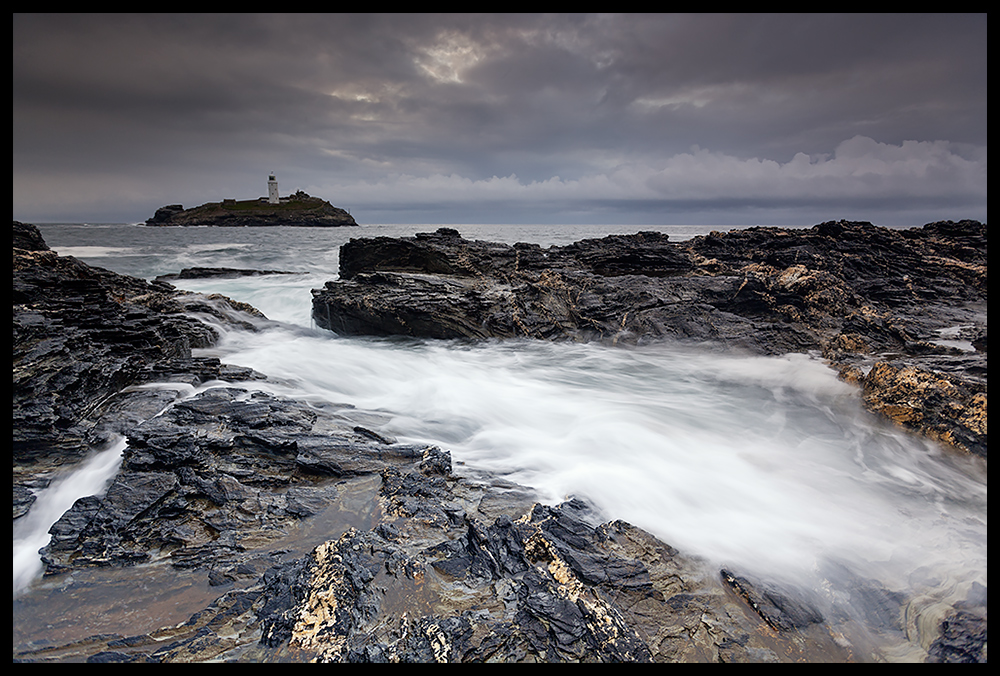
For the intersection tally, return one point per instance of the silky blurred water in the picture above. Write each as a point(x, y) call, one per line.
point(765, 463)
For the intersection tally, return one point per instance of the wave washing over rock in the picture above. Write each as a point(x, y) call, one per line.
point(220, 472)
point(877, 303)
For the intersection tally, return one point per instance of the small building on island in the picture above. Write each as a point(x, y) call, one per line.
point(272, 190)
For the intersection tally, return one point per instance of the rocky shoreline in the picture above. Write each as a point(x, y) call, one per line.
point(879, 305)
point(425, 565)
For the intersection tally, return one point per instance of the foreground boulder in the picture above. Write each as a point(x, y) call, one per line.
point(858, 294)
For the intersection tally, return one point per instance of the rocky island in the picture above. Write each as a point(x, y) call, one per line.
point(410, 562)
point(299, 210)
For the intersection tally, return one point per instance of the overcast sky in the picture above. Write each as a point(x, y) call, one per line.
point(620, 119)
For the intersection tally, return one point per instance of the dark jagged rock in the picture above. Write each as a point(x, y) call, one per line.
point(857, 293)
point(211, 474)
point(82, 334)
point(165, 214)
point(28, 238)
point(777, 608)
point(218, 273)
point(962, 640)
point(535, 584)
point(299, 210)
point(442, 286)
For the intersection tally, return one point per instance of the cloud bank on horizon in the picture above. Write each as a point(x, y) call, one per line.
point(646, 119)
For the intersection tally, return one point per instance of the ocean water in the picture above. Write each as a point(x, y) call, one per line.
point(766, 464)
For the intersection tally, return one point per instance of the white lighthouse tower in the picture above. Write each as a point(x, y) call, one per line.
point(272, 189)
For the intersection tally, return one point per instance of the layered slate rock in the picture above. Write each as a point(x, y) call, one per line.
point(856, 293)
point(214, 478)
point(442, 286)
point(83, 334)
point(299, 210)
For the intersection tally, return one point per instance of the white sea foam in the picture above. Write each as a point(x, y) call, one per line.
point(95, 251)
point(31, 532)
point(766, 462)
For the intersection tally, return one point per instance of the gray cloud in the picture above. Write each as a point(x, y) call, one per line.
point(644, 118)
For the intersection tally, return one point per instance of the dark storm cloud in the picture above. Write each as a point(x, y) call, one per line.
point(539, 117)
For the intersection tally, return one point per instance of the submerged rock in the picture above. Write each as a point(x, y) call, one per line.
point(776, 607)
point(962, 640)
point(218, 273)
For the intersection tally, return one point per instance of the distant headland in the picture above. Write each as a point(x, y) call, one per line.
point(298, 209)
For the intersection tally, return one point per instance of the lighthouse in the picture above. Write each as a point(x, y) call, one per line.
point(272, 189)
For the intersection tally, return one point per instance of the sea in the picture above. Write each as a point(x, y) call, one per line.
point(767, 465)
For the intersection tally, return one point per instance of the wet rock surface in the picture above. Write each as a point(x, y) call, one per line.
point(213, 477)
point(218, 273)
point(962, 640)
point(875, 302)
point(409, 562)
point(82, 335)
